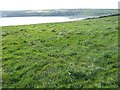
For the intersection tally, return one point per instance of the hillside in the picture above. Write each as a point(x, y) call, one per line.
point(79, 54)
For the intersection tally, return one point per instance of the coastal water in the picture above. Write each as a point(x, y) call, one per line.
point(10, 21)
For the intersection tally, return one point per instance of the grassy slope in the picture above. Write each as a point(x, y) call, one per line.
point(73, 54)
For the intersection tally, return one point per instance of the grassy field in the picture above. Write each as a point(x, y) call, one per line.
point(79, 54)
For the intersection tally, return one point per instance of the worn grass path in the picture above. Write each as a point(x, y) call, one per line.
point(79, 54)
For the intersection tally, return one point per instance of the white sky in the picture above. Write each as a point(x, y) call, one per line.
point(56, 4)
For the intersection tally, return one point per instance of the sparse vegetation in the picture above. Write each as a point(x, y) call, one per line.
point(79, 54)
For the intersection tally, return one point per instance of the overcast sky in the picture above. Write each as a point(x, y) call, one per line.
point(57, 4)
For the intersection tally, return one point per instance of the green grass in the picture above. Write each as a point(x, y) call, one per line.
point(79, 54)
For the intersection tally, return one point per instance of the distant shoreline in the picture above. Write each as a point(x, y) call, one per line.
point(102, 16)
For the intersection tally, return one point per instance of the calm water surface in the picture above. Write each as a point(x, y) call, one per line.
point(10, 21)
